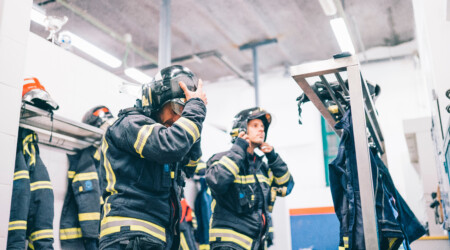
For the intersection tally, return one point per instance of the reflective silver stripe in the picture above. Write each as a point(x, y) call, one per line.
point(41, 234)
point(283, 179)
point(190, 127)
point(23, 174)
point(230, 235)
point(121, 222)
point(40, 185)
point(17, 225)
point(70, 233)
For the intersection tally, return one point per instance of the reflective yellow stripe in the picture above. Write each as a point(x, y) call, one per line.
point(200, 166)
point(29, 148)
point(270, 177)
point(345, 241)
point(30, 245)
point(40, 185)
point(283, 179)
point(270, 229)
point(23, 174)
point(85, 176)
point(142, 137)
point(246, 179)
point(341, 248)
point(70, 233)
point(97, 154)
point(183, 243)
point(17, 225)
point(172, 174)
point(193, 163)
point(41, 234)
point(203, 247)
point(71, 174)
point(113, 224)
point(110, 176)
point(88, 216)
point(230, 236)
point(229, 164)
point(189, 127)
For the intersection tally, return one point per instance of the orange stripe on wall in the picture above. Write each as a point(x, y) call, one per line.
point(311, 210)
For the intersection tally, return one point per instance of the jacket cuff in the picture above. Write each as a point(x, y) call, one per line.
point(271, 156)
point(240, 144)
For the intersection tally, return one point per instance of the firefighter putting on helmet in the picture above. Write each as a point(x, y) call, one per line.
point(146, 154)
point(244, 186)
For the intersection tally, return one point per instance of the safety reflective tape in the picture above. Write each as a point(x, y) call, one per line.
point(341, 248)
point(172, 174)
point(246, 179)
point(30, 245)
point(183, 242)
point(41, 234)
point(97, 154)
point(70, 233)
point(193, 163)
point(230, 165)
point(17, 225)
point(270, 173)
point(71, 174)
point(113, 224)
point(283, 179)
point(345, 241)
point(142, 137)
point(29, 148)
point(110, 176)
point(270, 229)
point(88, 216)
point(230, 236)
point(40, 185)
point(203, 247)
point(23, 174)
point(85, 176)
point(200, 166)
point(189, 127)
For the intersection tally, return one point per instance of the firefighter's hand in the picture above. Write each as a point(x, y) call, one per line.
point(266, 148)
point(244, 136)
point(197, 94)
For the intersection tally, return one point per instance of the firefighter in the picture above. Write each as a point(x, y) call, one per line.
point(243, 186)
point(146, 155)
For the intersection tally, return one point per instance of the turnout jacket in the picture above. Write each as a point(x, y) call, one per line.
point(80, 217)
point(143, 164)
point(32, 204)
point(244, 189)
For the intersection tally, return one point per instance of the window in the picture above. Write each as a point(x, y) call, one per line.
point(330, 141)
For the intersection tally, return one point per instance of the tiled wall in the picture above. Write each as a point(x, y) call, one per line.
point(14, 29)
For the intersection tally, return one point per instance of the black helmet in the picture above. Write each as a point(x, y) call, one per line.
point(96, 116)
point(242, 118)
point(164, 88)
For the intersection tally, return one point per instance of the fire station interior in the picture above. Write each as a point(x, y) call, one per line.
point(357, 91)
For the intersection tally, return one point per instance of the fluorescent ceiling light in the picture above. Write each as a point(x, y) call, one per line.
point(328, 7)
point(90, 49)
point(137, 75)
point(37, 17)
point(342, 36)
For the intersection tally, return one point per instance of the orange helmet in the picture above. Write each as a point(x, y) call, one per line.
point(34, 93)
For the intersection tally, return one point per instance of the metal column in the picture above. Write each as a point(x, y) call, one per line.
point(164, 47)
point(363, 158)
point(254, 46)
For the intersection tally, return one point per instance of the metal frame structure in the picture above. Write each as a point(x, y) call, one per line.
point(364, 118)
point(64, 133)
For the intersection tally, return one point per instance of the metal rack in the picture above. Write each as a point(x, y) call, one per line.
point(365, 124)
point(64, 133)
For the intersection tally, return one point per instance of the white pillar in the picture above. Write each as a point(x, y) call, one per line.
point(14, 30)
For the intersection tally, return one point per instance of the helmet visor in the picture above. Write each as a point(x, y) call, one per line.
point(177, 105)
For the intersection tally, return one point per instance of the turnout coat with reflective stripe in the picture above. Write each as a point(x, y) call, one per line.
point(244, 187)
point(137, 158)
point(80, 217)
point(32, 205)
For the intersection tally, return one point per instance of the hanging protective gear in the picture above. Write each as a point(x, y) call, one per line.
point(32, 212)
point(242, 118)
point(164, 88)
point(97, 116)
point(34, 93)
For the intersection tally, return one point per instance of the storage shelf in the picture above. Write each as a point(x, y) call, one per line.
point(65, 133)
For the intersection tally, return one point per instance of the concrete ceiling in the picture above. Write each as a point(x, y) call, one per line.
point(301, 27)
